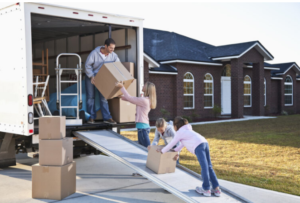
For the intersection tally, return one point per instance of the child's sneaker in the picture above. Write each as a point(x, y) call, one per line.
point(201, 191)
point(216, 192)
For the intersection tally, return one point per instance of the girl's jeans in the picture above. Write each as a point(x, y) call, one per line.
point(143, 137)
point(207, 171)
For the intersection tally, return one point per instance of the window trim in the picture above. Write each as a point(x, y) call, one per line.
point(248, 82)
point(265, 91)
point(193, 81)
point(209, 81)
point(292, 94)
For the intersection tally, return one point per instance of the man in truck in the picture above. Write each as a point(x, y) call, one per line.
point(95, 60)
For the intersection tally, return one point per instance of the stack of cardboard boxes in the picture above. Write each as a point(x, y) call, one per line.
point(110, 73)
point(55, 175)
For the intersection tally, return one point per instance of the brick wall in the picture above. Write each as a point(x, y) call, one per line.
point(275, 96)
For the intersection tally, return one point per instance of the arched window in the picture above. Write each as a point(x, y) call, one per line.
point(247, 91)
point(227, 70)
point(188, 90)
point(208, 91)
point(265, 91)
point(288, 91)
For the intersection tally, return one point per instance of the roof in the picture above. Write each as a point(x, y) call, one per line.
point(165, 68)
point(170, 46)
point(165, 46)
point(284, 67)
point(237, 50)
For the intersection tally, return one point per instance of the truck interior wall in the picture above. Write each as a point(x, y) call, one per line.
point(75, 44)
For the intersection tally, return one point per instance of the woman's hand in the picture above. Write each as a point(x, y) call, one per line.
point(176, 157)
point(119, 84)
point(148, 147)
point(158, 150)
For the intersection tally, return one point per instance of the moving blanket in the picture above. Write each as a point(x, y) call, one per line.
point(72, 101)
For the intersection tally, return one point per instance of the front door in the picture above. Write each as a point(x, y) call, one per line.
point(226, 95)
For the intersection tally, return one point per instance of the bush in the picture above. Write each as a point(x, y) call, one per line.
point(187, 118)
point(194, 116)
point(217, 110)
point(284, 113)
point(164, 113)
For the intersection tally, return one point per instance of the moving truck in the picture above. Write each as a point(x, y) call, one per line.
point(29, 29)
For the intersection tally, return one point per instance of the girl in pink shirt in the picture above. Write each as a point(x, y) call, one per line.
point(196, 144)
point(143, 107)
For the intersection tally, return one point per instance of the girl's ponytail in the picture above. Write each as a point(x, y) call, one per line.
point(151, 93)
point(179, 122)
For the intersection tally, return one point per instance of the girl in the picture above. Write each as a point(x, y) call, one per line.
point(166, 132)
point(198, 145)
point(143, 106)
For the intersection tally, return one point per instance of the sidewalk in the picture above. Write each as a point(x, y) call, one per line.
point(259, 195)
point(246, 118)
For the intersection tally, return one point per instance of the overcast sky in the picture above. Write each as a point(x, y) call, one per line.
point(275, 25)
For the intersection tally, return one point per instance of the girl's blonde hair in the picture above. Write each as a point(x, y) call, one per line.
point(160, 123)
point(151, 93)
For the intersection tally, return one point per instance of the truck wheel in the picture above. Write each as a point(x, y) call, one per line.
point(82, 116)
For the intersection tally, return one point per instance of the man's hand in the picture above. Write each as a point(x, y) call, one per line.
point(148, 147)
point(176, 157)
point(93, 80)
point(119, 84)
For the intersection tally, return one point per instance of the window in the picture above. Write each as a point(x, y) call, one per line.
point(247, 91)
point(265, 91)
point(188, 91)
point(208, 91)
point(288, 91)
point(227, 70)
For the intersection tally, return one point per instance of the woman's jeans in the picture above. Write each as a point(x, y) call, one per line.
point(143, 137)
point(91, 90)
point(207, 171)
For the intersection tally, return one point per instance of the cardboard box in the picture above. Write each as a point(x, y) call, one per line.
point(53, 182)
point(130, 67)
point(122, 111)
point(161, 163)
point(107, 77)
point(56, 152)
point(52, 127)
point(132, 88)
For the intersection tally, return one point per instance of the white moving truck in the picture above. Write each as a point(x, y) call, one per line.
point(29, 28)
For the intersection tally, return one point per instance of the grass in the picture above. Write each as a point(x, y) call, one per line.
point(261, 153)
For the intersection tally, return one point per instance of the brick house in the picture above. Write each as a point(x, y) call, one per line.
point(192, 77)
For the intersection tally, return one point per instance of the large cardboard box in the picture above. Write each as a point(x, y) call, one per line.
point(52, 127)
point(122, 111)
point(161, 163)
point(107, 77)
point(130, 67)
point(132, 88)
point(56, 152)
point(53, 182)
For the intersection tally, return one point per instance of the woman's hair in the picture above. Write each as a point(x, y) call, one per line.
point(151, 93)
point(160, 123)
point(179, 122)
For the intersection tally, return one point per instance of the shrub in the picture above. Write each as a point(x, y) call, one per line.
point(164, 113)
point(284, 113)
point(217, 110)
point(187, 118)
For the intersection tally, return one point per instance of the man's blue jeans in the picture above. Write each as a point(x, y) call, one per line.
point(91, 90)
point(207, 171)
point(143, 137)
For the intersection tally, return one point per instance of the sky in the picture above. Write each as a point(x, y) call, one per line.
point(275, 25)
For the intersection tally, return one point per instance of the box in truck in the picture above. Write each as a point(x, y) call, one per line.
point(33, 27)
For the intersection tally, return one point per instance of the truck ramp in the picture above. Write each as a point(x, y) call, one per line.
point(182, 183)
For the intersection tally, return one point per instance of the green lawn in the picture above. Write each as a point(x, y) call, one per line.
point(262, 153)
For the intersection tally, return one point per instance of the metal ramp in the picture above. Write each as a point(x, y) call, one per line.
point(182, 183)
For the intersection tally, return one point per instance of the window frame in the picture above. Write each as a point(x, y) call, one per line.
point(285, 94)
point(265, 91)
point(248, 82)
point(209, 81)
point(193, 81)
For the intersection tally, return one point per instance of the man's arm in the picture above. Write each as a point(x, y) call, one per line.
point(89, 65)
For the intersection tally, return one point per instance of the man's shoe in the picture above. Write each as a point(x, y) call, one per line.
point(91, 121)
point(111, 121)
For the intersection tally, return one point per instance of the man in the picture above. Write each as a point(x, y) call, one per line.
point(95, 60)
